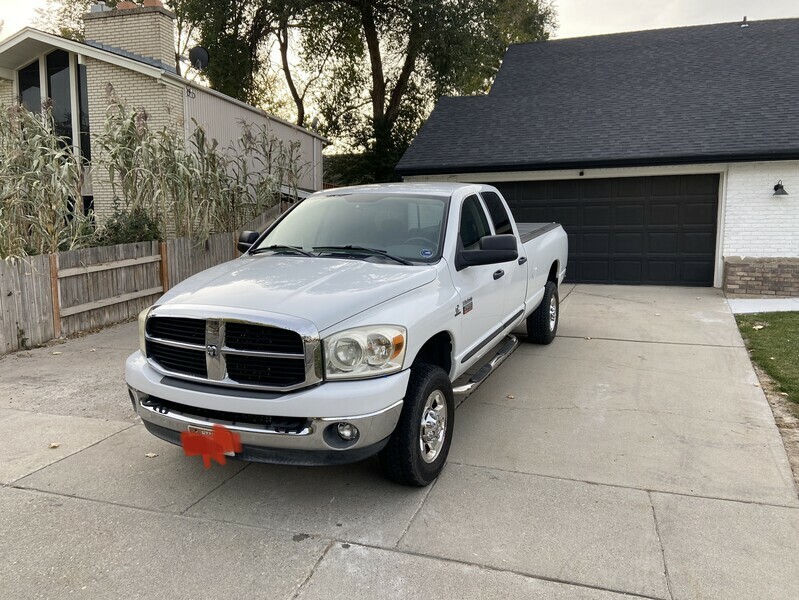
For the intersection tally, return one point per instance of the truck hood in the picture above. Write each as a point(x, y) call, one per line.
point(321, 290)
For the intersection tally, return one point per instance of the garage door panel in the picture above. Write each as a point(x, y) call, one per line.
point(600, 189)
point(627, 271)
point(595, 243)
point(566, 215)
point(661, 271)
point(565, 189)
point(643, 230)
point(696, 272)
point(628, 243)
point(596, 215)
point(531, 214)
point(666, 186)
point(663, 214)
point(594, 271)
point(700, 213)
point(701, 185)
point(664, 242)
point(632, 187)
point(700, 242)
point(629, 215)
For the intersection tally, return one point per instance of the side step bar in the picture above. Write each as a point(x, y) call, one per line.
point(506, 348)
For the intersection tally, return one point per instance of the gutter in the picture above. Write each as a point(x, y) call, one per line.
point(602, 164)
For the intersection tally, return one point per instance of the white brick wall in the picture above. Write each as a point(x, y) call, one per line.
point(757, 223)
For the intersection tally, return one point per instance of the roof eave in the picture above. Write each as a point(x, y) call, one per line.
point(604, 164)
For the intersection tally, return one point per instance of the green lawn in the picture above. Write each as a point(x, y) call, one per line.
point(775, 347)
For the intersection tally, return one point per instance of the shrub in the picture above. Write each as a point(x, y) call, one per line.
point(136, 225)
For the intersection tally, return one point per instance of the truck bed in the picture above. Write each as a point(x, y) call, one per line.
point(529, 231)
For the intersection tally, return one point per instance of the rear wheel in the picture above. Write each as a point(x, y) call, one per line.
point(542, 325)
point(418, 448)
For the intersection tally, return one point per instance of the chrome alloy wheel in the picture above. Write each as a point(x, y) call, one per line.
point(433, 428)
point(553, 313)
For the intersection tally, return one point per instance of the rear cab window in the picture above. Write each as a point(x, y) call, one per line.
point(499, 216)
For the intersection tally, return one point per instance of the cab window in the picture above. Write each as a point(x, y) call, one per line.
point(474, 224)
point(499, 216)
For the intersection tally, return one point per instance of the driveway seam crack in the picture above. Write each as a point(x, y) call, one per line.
point(313, 569)
point(625, 487)
point(212, 490)
point(607, 339)
point(502, 570)
point(13, 482)
point(660, 543)
point(416, 512)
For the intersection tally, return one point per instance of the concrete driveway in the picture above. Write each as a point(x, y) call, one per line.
point(635, 456)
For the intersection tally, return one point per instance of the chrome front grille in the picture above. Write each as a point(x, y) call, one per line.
point(225, 351)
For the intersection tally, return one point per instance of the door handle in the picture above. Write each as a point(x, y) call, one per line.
point(522, 260)
point(498, 274)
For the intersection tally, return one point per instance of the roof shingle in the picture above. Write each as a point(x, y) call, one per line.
point(670, 96)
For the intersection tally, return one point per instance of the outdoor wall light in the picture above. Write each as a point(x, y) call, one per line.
point(779, 189)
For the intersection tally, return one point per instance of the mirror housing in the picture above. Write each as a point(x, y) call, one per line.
point(494, 249)
point(246, 240)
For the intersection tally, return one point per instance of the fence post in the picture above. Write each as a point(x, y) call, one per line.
point(56, 293)
point(164, 267)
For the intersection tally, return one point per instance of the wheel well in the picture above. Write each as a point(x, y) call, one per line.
point(436, 351)
point(553, 273)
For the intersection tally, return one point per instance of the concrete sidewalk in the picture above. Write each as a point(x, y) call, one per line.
point(740, 306)
point(633, 457)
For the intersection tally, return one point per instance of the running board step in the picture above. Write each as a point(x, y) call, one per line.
point(506, 348)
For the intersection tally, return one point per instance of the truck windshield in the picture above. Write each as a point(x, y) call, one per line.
point(407, 226)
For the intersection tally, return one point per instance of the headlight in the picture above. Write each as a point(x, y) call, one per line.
point(365, 352)
point(142, 324)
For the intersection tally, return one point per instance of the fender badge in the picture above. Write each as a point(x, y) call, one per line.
point(457, 309)
point(467, 305)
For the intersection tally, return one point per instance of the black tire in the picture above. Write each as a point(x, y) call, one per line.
point(540, 329)
point(403, 458)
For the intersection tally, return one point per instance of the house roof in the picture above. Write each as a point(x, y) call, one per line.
point(22, 47)
point(703, 94)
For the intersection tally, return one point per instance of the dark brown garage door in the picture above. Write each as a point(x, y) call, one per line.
point(637, 230)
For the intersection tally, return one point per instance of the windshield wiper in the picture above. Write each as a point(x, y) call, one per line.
point(281, 248)
point(362, 250)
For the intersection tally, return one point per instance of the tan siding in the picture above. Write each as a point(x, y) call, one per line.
point(221, 119)
point(162, 101)
point(6, 92)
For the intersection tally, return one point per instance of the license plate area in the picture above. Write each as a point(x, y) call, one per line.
point(207, 431)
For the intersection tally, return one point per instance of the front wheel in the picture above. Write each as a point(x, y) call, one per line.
point(542, 325)
point(418, 448)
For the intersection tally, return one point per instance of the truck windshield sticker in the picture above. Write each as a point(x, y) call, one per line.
point(426, 253)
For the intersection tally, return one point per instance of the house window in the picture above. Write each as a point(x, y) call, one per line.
point(59, 90)
point(30, 90)
point(83, 105)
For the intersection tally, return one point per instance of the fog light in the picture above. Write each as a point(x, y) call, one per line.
point(347, 431)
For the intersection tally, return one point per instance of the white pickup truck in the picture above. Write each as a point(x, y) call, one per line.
point(349, 326)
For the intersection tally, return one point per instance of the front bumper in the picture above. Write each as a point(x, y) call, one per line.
point(169, 407)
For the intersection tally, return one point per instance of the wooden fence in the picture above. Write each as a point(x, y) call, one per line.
point(48, 296)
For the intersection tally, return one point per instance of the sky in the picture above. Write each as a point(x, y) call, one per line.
point(575, 17)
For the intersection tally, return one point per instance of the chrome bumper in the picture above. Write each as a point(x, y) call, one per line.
point(319, 435)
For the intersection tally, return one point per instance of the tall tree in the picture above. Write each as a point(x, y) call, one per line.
point(371, 68)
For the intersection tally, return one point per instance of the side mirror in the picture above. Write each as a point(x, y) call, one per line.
point(494, 249)
point(246, 240)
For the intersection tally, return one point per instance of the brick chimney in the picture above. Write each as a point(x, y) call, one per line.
point(147, 30)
